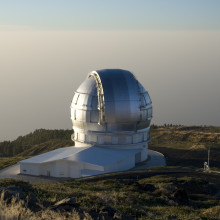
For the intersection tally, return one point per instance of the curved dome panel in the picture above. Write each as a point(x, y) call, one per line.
point(84, 107)
point(111, 108)
point(121, 96)
point(88, 87)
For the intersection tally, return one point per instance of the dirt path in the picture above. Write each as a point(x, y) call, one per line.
point(172, 172)
point(10, 172)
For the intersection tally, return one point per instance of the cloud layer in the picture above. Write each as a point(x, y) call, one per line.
point(40, 70)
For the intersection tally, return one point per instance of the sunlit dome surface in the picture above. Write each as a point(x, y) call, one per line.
point(110, 107)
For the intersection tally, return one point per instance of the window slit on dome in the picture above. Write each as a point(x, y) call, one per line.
point(77, 98)
point(114, 140)
point(74, 114)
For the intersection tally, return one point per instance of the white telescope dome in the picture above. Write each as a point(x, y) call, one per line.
point(111, 114)
point(111, 109)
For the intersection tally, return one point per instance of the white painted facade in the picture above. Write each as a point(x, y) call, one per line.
point(78, 163)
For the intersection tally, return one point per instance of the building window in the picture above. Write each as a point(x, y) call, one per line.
point(114, 140)
point(128, 139)
point(93, 138)
point(74, 114)
point(95, 116)
point(135, 138)
point(108, 139)
point(75, 135)
point(101, 139)
point(145, 136)
point(122, 139)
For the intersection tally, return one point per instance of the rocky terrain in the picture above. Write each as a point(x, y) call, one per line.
point(165, 193)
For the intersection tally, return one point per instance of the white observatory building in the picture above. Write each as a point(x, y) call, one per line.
point(111, 114)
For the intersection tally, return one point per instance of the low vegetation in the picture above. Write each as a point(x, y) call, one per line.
point(187, 146)
point(174, 192)
point(8, 161)
point(39, 141)
point(183, 137)
point(118, 197)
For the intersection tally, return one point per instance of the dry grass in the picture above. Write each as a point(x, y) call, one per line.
point(8, 161)
point(17, 210)
point(212, 212)
point(186, 137)
point(198, 147)
point(125, 195)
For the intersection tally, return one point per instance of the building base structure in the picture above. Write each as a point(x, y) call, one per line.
point(77, 162)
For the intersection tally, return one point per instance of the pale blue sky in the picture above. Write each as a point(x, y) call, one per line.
point(111, 14)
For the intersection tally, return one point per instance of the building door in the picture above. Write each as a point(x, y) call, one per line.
point(48, 173)
point(138, 157)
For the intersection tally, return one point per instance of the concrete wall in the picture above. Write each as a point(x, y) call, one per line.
point(75, 170)
point(125, 164)
point(93, 167)
point(30, 169)
point(144, 152)
point(48, 169)
point(59, 168)
point(62, 168)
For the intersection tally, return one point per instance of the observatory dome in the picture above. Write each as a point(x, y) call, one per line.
point(111, 109)
point(111, 114)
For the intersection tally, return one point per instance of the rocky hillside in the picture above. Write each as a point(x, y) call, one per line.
point(154, 194)
point(187, 146)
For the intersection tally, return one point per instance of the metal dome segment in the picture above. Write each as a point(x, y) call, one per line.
point(88, 87)
point(84, 111)
point(145, 108)
point(118, 93)
point(111, 109)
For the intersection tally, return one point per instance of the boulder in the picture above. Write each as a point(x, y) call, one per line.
point(148, 187)
point(67, 204)
point(10, 192)
point(108, 210)
point(193, 186)
point(66, 201)
point(181, 196)
point(120, 216)
point(32, 202)
point(2, 189)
